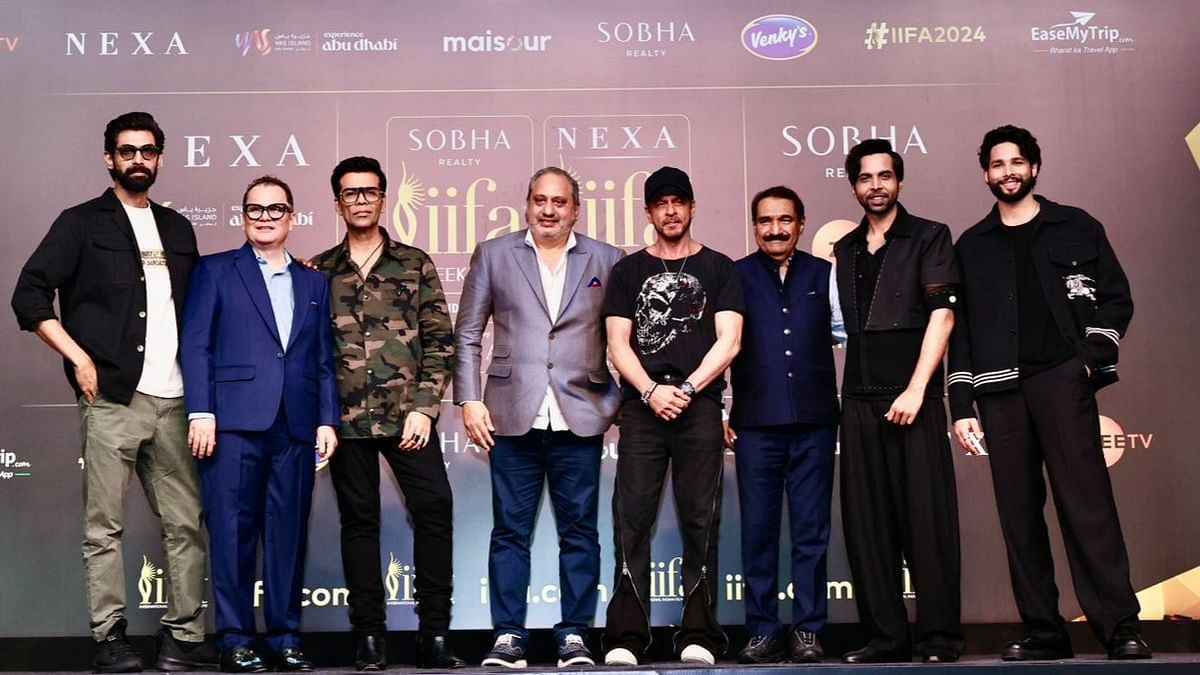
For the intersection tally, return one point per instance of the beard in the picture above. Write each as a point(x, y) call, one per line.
point(1027, 185)
point(132, 180)
point(672, 236)
point(880, 210)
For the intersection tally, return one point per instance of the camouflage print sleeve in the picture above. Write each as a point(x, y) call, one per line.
point(437, 342)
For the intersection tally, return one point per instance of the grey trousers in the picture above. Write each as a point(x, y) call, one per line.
point(147, 437)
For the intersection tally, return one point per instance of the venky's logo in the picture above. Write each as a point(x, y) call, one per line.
point(779, 37)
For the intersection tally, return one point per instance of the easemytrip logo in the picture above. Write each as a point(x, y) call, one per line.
point(1080, 36)
point(489, 42)
point(779, 37)
point(12, 466)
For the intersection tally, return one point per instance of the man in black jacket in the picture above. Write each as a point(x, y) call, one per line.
point(896, 276)
point(1045, 306)
point(119, 265)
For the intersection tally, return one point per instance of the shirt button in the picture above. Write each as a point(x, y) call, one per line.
point(786, 310)
point(787, 331)
point(549, 366)
point(371, 410)
point(787, 352)
point(140, 348)
point(790, 375)
point(366, 297)
point(367, 334)
point(897, 294)
point(279, 355)
point(370, 372)
point(552, 336)
point(142, 278)
point(141, 315)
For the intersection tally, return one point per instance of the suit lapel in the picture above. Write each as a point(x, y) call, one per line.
point(526, 259)
point(577, 262)
point(304, 297)
point(246, 263)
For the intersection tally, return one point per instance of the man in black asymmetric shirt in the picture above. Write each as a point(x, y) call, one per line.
point(896, 275)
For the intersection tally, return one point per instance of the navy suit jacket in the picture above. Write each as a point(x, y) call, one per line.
point(234, 364)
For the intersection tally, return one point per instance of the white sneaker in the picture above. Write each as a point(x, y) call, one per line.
point(697, 654)
point(620, 657)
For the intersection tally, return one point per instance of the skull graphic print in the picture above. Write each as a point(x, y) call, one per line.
point(668, 305)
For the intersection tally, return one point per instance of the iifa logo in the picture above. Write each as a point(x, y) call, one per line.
point(150, 586)
point(399, 582)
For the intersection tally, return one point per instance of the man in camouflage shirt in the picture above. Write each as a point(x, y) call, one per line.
point(394, 347)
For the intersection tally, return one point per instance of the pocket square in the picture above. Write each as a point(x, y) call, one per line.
point(594, 283)
point(812, 292)
point(313, 303)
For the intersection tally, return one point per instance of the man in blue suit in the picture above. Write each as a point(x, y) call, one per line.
point(783, 427)
point(261, 389)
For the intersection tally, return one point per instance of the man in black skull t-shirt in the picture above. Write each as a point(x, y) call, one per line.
point(673, 313)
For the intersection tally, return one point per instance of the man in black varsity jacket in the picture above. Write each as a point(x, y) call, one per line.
point(1045, 306)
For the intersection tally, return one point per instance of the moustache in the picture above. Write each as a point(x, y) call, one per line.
point(775, 237)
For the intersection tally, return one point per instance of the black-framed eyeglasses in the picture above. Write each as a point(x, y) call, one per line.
point(149, 152)
point(350, 196)
point(262, 212)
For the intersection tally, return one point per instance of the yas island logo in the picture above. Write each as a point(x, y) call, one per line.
point(258, 40)
point(779, 37)
point(399, 582)
point(153, 594)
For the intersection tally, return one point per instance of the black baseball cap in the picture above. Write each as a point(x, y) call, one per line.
point(668, 181)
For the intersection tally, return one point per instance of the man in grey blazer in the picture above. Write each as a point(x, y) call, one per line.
point(549, 399)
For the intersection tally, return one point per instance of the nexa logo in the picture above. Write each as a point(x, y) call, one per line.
point(624, 137)
point(112, 44)
point(242, 149)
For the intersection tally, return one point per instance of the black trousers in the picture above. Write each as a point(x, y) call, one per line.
point(693, 446)
point(1051, 420)
point(422, 478)
point(899, 499)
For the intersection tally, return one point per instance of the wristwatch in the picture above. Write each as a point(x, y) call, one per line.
point(687, 388)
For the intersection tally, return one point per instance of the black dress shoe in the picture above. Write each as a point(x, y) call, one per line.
point(804, 647)
point(433, 651)
point(1038, 649)
point(873, 653)
point(371, 654)
point(292, 660)
point(1127, 643)
point(939, 654)
point(242, 660)
point(761, 649)
point(179, 655)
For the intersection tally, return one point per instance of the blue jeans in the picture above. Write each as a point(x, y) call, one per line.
point(521, 465)
point(796, 462)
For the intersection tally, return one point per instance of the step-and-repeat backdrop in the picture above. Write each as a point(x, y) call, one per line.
point(462, 101)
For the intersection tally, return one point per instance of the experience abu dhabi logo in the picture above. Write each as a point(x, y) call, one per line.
point(1081, 35)
point(12, 467)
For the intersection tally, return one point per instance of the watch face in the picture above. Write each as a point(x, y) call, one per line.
point(688, 389)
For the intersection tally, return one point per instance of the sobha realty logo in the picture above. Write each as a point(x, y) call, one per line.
point(1081, 35)
point(779, 37)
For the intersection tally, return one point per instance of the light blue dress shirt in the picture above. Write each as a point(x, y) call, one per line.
point(279, 287)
